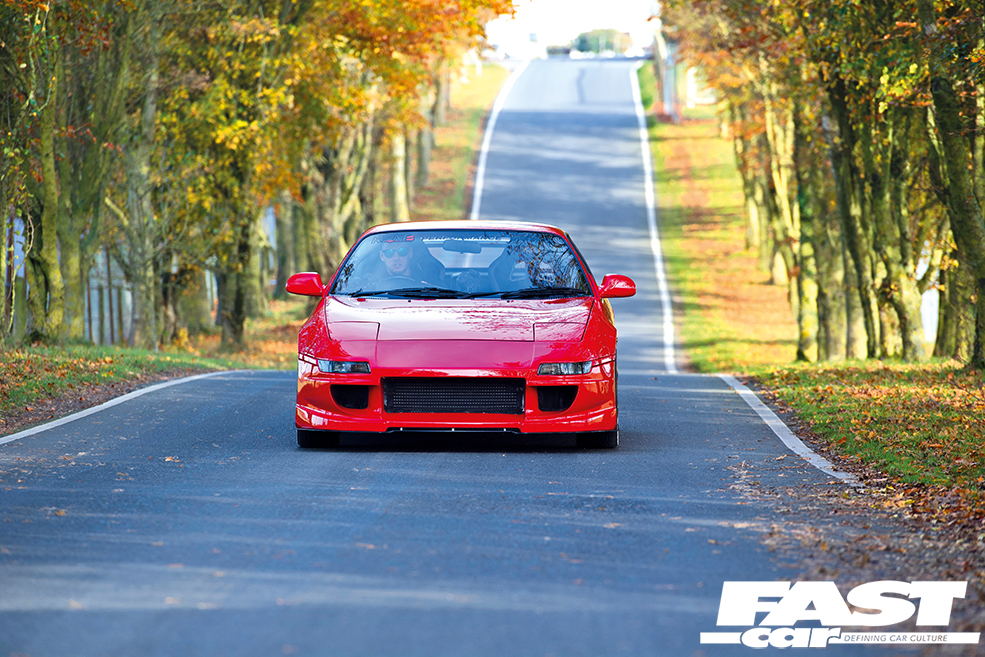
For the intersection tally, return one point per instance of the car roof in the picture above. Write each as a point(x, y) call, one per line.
point(465, 225)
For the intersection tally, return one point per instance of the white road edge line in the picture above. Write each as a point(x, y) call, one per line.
point(784, 433)
point(480, 171)
point(651, 222)
point(113, 402)
point(781, 430)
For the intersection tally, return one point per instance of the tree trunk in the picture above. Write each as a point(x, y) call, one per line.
point(285, 244)
point(961, 300)
point(299, 231)
point(371, 197)
point(786, 219)
point(6, 280)
point(140, 225)
point(891, 344)
point(856, 335)
point(425, 140)
point(780, 134)
point(764, 213)
point(944, 342)
point(967, 224)
point(256, 285)
point(955, 314)
point(236, 288)
point(399, 209)
point(192, 304)
point(743, 162)
point(831, 297)
point(808, 210)
point(335, 185)
point(978, 135)
point(886, 176)
point(311, 251)
point(93, 88)
point(69, 237)
point(409, 177)
point(48, 288)
point(442, 95)
point(849, 204)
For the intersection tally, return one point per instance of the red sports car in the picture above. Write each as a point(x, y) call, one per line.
point(459, 326)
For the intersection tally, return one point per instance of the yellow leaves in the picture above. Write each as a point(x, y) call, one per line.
point(237, 134)
point(900, 501)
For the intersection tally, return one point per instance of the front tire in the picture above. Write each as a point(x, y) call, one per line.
point(604, 439)
point(308, 438)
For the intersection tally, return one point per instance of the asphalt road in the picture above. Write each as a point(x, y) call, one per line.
point(187, 522)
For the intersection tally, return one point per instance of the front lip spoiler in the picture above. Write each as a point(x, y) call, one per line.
point(513, 430)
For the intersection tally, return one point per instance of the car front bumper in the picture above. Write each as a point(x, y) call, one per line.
point(593, 407)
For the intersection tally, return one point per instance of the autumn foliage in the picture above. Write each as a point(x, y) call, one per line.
point(159, 132)
point(859, 131)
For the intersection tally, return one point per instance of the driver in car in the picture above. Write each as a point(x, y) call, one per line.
point(398, 261)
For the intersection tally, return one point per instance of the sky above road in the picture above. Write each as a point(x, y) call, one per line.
point(557, 22)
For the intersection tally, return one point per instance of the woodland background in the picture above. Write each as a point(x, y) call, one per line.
point(159, 132)
point(859, 131)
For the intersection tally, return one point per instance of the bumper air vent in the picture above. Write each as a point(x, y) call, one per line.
point(554, 399)
point(349, 396)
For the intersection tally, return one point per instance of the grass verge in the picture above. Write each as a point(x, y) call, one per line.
point(30, 374)
point(733, 318)
point(914, 432)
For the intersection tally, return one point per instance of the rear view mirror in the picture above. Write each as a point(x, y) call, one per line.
point(306, 284)
point(614, 285)
point(461, 246)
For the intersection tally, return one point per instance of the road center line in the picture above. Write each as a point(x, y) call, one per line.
point(113, 402)
point(784, 433)
point(651, 222)
point(480, 171)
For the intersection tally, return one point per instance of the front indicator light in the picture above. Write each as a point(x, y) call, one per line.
point(343, 366)
point(563, 369)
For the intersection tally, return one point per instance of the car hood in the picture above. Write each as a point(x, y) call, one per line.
point(561, 320)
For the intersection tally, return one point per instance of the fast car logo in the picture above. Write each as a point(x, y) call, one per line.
point(877, 605)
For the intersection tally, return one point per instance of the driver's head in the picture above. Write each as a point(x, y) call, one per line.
point(397, 258)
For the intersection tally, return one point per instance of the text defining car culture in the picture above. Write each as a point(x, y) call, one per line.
point(459, 326)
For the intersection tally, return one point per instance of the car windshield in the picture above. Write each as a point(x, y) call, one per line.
point(463, 264)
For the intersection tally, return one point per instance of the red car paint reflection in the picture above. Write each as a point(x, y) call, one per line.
point(442, 326)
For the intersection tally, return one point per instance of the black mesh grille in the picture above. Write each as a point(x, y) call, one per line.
point(553, 399)
point(350, 396)
point(453, 395)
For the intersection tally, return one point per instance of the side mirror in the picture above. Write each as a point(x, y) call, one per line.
point(614, 285)
point(306, 284)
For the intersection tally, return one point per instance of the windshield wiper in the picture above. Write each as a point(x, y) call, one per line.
point(544, 293)
point(367, 293)
point(428, 293)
